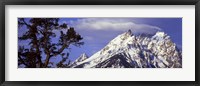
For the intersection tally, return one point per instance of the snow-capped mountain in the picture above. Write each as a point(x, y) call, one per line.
point(135, 51)
point(81, 58)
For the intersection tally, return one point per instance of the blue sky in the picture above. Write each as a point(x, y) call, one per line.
point(97, 32)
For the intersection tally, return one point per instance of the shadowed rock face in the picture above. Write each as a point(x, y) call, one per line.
point(130, 51)
point(115, 62)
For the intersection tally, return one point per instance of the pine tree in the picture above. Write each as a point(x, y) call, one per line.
point(40, 32)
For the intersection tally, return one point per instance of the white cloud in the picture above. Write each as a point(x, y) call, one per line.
point(116, 24)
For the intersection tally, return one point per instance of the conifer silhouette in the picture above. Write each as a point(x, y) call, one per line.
point(40, 32)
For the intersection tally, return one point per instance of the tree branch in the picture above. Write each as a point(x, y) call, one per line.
point(60, 50)
point(26, 23)
point(22, 61)
point(47, 60)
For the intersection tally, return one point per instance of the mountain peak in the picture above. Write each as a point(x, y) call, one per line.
point(82, 57)
point(132, 51)
point(83, 54)
point(160, 34)
point(129, 32)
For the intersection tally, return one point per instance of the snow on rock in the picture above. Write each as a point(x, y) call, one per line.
point(81, 58)
point(132, 51)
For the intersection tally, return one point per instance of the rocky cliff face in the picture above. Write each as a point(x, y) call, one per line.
point(135, 51)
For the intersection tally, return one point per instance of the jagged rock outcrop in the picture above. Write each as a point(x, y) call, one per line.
point(135, 51)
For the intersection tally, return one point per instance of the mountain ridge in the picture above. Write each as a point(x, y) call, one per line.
point(130, 51)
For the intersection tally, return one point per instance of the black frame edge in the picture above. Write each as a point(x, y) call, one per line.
point(102, 2)
point(98, 83)
point(197, 28)
point(2, 42)
point(97, 2)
